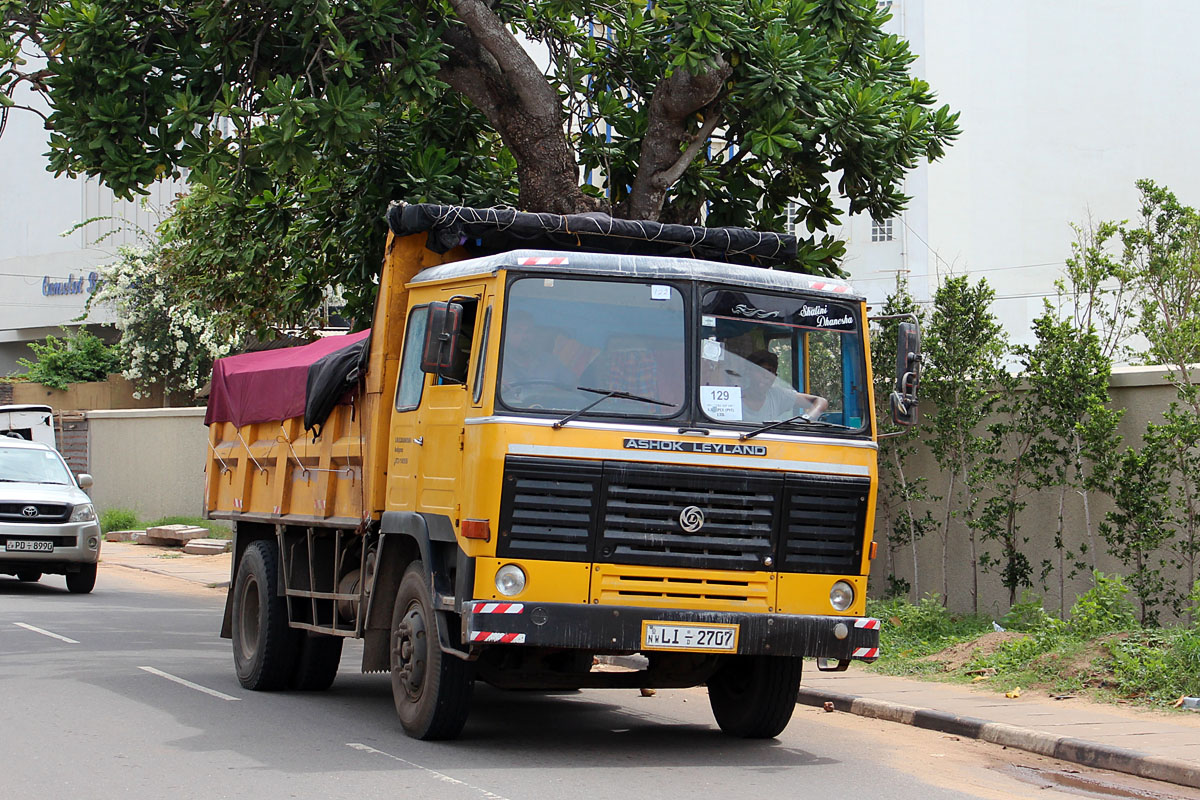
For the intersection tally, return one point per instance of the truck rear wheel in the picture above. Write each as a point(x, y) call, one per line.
point(432, 690)
point(753, 697)
point(317, 662)
point(264, 647)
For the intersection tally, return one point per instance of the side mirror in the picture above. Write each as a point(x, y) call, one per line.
point(908, 374)
point(85, 480)
point(441, 337)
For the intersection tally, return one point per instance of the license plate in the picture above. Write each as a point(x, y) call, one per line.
point(695, 637)
point(24, 545)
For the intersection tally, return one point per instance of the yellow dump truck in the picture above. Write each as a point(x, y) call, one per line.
point(563, 438)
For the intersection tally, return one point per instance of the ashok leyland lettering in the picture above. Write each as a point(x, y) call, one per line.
point(594, 444)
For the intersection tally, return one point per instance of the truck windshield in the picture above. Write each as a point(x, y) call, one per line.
point(608, 336)
point(768, 358)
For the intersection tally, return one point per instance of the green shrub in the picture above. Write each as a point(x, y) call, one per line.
point(1029, 616)
point(1103, 609)
point(118, 519)
point(1157, 665)
point(926, 627)
point(78, 357)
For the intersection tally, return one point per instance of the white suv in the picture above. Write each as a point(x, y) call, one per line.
point(47, 523)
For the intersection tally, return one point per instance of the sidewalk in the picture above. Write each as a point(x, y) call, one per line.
point(1152, 744)
point(171, 561)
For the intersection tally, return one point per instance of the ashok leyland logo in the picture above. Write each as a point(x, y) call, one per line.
point(691, 519)
point(29, 511)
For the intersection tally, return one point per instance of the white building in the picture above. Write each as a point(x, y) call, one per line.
point(48, 270)
point(1064, 105)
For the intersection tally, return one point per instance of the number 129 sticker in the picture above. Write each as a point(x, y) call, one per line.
point(722, 402)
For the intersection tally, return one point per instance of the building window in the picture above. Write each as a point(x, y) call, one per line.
point(881, 231)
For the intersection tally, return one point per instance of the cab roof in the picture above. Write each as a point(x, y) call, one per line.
point(637, 267)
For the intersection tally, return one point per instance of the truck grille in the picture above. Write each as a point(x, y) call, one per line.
point(636, 586)
point(614, 512)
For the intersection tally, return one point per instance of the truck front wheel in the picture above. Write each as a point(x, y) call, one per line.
point(264, 647)
point(432, 690)
point(753, 697)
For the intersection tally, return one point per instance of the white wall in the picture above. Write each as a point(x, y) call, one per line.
point(1064, 105)
point(150, 461)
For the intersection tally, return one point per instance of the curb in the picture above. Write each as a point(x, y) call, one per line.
point(1065, 748)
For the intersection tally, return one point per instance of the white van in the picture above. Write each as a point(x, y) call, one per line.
point(31, 423)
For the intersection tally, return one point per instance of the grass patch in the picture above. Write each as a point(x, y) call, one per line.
point(1100, 650)
point(122, 519)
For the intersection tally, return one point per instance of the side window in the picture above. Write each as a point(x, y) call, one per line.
point(412, 379)
point(480, 363)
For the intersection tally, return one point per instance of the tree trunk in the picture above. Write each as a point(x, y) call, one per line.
point(1087, 523)
point(974, 547)
point(945, 542)
point(1062, 570)
point(912, 521)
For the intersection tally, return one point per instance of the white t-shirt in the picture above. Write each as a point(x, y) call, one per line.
point(780, 403)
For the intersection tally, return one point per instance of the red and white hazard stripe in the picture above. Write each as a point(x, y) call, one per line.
point(821, 286)
point(865, 652)
point(497, 638)
point(867, 623)
point(545, 261)
point(237, 502)
point(498, 608)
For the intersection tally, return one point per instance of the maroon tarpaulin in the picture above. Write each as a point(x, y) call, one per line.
point(265, 386)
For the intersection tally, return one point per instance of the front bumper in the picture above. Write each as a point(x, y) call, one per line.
point(619, 628)
point(71, 542)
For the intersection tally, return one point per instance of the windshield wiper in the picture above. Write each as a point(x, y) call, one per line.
point(606, 393)
point(801, 418)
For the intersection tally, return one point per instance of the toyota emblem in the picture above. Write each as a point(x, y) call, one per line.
point(691, 519)
point(29, 511)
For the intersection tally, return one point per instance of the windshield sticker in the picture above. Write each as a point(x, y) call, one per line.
point(548, 283)
point(660, 292)
point(708, 322)
point(711, 350)
point(820, 315)
point(722, 402)
point(743, 310)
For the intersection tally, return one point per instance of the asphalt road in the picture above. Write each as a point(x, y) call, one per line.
point(130, 692)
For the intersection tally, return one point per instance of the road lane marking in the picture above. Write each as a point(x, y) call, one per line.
point(189, 684)
point(441, 776)
point(44, 632)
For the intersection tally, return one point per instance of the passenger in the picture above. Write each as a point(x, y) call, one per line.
point(529, 359)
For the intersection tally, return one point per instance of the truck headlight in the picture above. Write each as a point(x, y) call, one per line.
point(841, 596)
point(84, 512)
point(510, 580)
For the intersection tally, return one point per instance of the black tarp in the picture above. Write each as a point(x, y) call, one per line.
point(329, 379)
point(494, 230)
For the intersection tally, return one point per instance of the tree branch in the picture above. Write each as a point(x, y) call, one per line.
point(669, 176)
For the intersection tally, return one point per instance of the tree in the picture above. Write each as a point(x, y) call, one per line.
point(80, 356)
point(165, 340)
point(964, 346)
point(312, 115)
point(901, 492)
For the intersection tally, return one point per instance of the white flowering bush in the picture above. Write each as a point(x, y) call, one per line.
point(165, 339)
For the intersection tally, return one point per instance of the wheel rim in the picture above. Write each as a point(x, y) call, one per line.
point(248, 638)
point(410, 652)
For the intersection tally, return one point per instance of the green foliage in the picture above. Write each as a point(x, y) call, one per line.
point(118, 519)
point(964, 345)
point(1104, 608)
point(1157, 665)
point(1029, 616)
point(80, 356)
point(166, 339)
point(913, 630)
point(301, 121)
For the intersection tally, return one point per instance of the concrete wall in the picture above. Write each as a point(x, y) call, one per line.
point(150, 461)
point(116, 392)
point(1144, 394)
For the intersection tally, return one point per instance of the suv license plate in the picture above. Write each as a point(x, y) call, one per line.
point(24, 545)
point(700, 638)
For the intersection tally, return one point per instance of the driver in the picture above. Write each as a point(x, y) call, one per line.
point(765, 398)
point(529, 357)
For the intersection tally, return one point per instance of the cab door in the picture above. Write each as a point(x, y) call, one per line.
point(428, 427)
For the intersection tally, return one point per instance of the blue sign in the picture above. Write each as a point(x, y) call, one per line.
point(72, 285)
